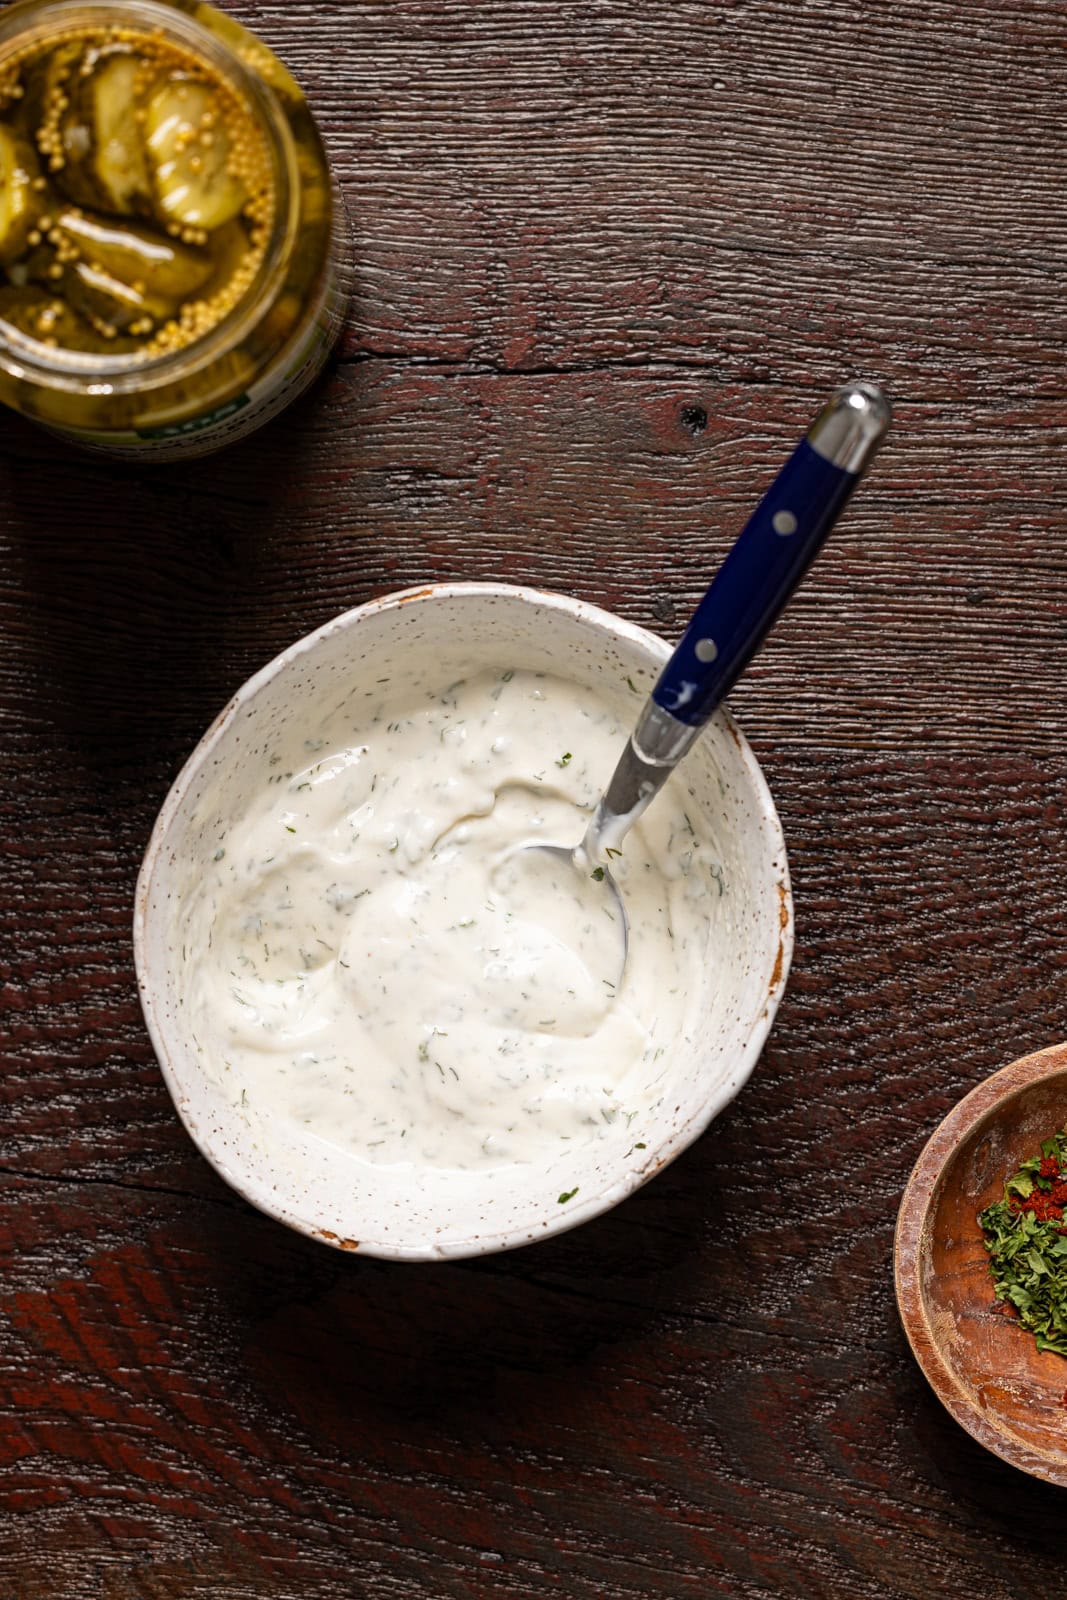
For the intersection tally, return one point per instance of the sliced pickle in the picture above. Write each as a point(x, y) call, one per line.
point(102, 140)
point(49, 320)
point(146, 261)
point(190, 153)
point(110, 304)
point(18, 169)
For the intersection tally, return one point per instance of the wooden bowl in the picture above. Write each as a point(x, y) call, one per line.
point(982, 1365)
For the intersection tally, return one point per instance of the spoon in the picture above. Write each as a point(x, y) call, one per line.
point(747, 595)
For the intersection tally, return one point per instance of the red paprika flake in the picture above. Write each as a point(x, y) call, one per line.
point(1043, 1207)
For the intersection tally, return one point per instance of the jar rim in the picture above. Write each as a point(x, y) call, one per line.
point(97, 375)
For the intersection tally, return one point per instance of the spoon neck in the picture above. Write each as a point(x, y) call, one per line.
point(635, 783)
point(661, 739)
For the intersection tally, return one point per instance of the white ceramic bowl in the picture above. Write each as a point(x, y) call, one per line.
point(385, 1211)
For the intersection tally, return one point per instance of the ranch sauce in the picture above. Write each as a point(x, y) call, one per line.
point(367, 958)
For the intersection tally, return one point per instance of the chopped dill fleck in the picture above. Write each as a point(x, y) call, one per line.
point(565, 760)
point(219, 855)
point(597, 874)
point(631, 685)
point(568, 1194)
point(507, 676)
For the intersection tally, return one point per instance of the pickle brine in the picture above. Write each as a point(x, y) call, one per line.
point(137, 193)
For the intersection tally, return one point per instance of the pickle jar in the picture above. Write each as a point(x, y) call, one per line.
point(173, 253)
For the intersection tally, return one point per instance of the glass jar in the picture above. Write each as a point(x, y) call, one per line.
point(173, 254)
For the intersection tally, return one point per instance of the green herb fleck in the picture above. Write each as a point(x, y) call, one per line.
point(631, 685)
point(507, 677)
point(288, 829)
point(640, 1147)
point(612, 854)
point(565, 761)
point(568, 1194)
point(1026, 1237)
point(219, 855)
point(598, 874)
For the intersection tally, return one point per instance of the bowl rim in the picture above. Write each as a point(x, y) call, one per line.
point(920, 1193)
point(250, 1185)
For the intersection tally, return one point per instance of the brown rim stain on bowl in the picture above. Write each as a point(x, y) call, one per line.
point(337, 1242)
point(981, 1364)
point(783, 924)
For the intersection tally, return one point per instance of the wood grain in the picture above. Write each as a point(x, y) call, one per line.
point(609, 257)
point(943, 588)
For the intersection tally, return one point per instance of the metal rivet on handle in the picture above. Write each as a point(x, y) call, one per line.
point(706, 650)
point(784, 522)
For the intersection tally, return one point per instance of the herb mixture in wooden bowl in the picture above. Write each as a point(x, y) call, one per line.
point(981, 1263)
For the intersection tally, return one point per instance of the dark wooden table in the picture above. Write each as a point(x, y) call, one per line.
point(610, 255)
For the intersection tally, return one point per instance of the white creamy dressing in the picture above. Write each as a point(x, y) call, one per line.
point(368, 958)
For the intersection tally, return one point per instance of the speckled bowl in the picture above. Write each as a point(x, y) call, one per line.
point(433, 1213)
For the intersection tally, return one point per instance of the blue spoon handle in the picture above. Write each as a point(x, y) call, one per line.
point(779, 542)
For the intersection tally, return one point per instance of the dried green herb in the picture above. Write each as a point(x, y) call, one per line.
point(1026, 1237)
